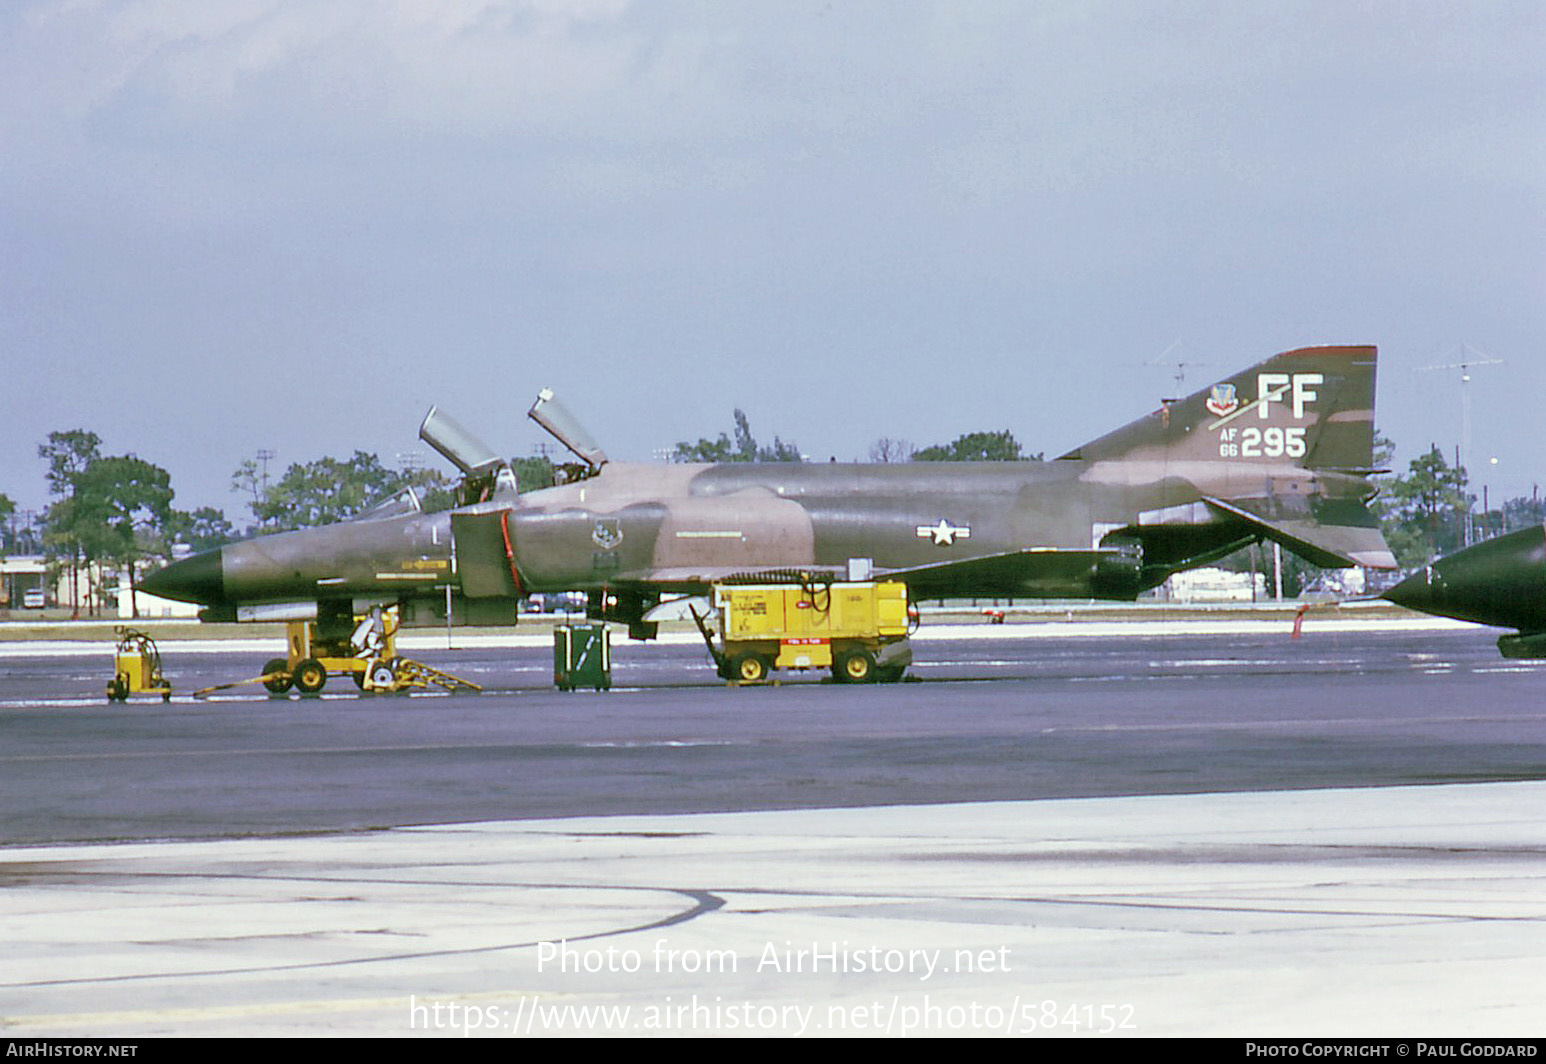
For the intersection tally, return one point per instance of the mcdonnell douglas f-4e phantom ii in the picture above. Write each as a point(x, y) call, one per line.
point(1280, 451)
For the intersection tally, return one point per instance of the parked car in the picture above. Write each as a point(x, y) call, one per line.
point(33, 599)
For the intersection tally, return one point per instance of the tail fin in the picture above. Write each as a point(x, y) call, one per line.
point(1313, 407)
point(1280, 450)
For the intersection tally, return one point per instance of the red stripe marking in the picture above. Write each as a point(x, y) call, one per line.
point(504, 530)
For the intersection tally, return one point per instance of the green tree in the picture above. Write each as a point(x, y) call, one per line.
point(976, 447)
point(67, 525)
point(706, 450)
point(888, 449)
point(123, 504)
point(203, 529)
point(68, 454)
point(1523, 511)
point(107, 509)
point(249, 480)
point(1426, 511)
point(7, 508)
point(743, 448)
point(327, 490)
point(533, 472)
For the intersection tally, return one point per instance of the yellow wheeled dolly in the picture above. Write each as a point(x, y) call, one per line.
point(363, 655)
point(136, 668)
point(368, 655)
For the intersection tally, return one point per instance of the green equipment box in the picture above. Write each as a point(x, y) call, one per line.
point(582, 656)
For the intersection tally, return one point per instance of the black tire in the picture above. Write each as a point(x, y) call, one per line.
point(856, 666)
point(308, 676)
point(381, 675)
point(118, 689)
point(749, 668)
point(277, 684)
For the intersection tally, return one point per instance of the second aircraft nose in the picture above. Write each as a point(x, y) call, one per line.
point(1500, 582)
point(1415, 592)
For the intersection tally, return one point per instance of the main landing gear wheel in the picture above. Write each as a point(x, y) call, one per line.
point(382, 678)
point(309, 676)
point(856, 666)
point(278, 673)
point(750, 668)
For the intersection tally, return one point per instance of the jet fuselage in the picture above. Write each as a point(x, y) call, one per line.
point(1280, 450)
point(687, 524)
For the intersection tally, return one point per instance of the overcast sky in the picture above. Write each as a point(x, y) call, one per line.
point(228, 225)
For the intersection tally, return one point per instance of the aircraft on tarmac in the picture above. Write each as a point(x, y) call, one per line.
point(1500, 582)
point(1281, 451)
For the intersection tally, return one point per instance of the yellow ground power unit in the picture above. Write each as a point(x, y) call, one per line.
point(858, 629)
point(136, 667)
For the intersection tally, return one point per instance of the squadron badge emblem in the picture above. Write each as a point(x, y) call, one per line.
point(606, 534)
point(1223, 401)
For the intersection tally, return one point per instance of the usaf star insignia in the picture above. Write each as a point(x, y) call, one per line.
point(945, 534)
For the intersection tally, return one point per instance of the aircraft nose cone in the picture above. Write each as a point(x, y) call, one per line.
point(1415, 592)
point(1500, 582)
point(195, 579)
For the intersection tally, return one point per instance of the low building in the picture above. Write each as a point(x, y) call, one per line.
point(150, 607)
point(19, 574)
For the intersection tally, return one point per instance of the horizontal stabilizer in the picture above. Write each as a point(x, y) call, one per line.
point(1332, 533)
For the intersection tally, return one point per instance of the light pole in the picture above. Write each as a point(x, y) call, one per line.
point(1463, 458)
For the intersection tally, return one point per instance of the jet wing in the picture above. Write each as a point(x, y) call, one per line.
point(1331, 533)
point(1037, 571)
point(1046, 572)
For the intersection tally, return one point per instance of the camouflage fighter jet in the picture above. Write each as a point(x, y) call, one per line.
point(1501, 582)
point(1279, 451)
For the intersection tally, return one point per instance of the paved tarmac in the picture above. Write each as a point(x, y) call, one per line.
point(1155, 830)
point(999, 718)
point(1400, 913)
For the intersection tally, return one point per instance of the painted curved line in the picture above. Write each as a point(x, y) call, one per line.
point(703, 902)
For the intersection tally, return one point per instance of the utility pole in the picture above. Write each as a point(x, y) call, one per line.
point(264, 454)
